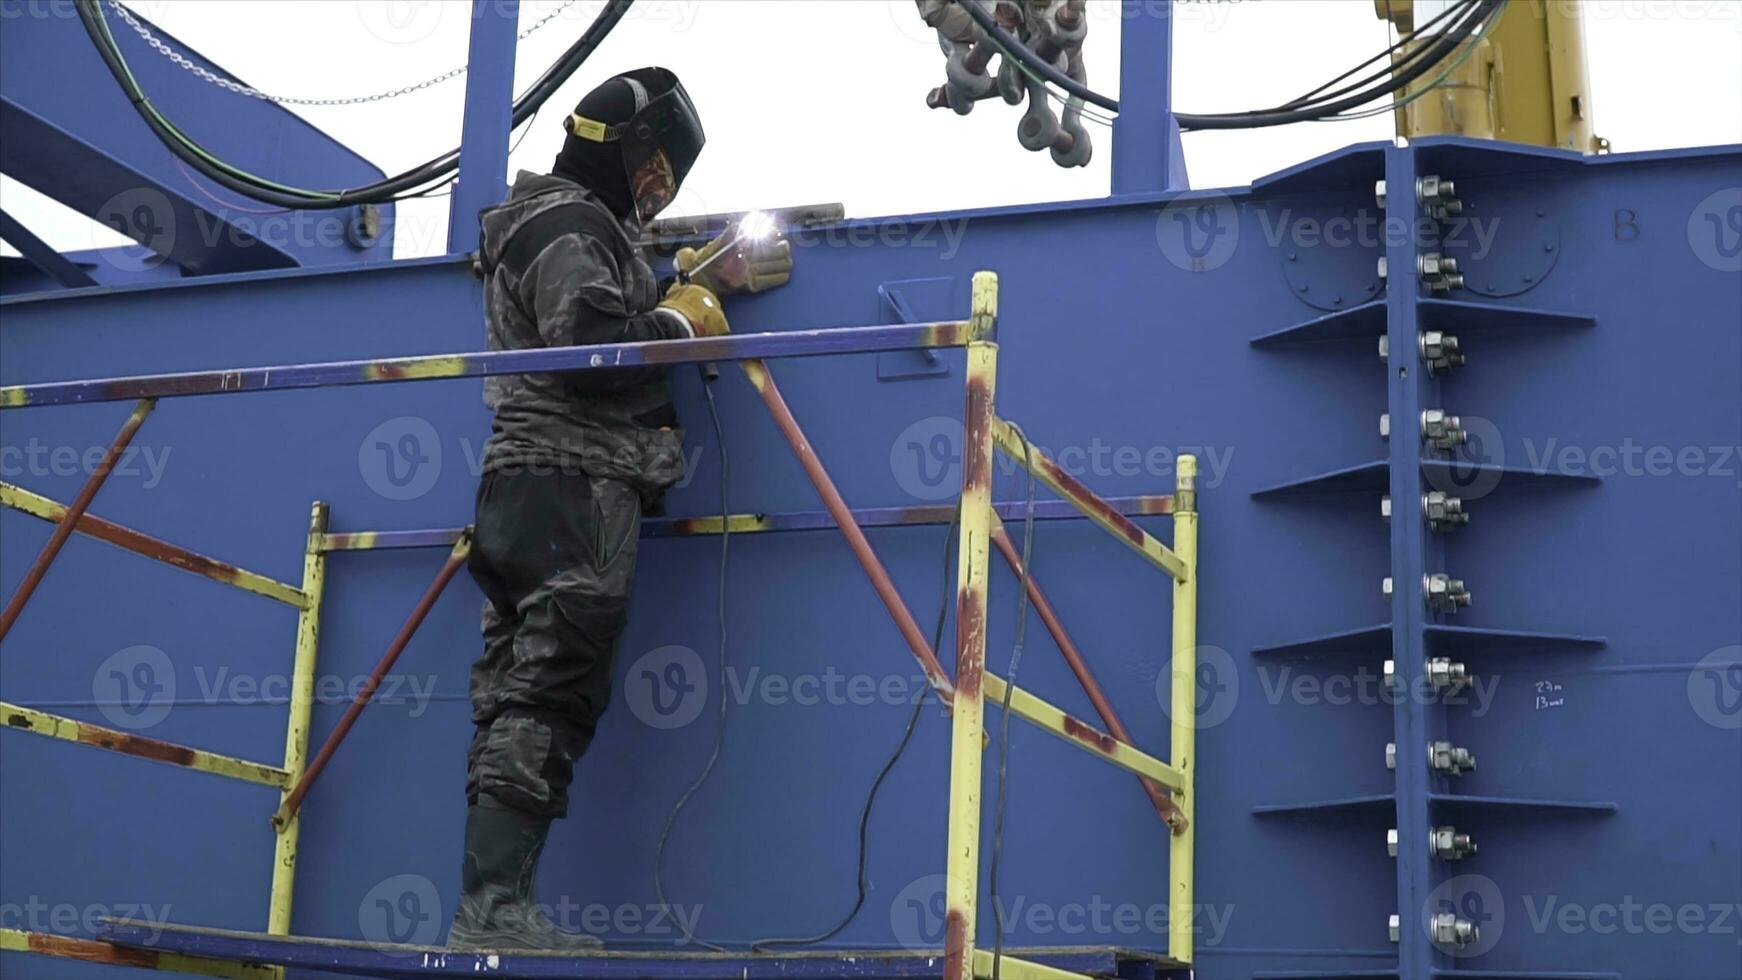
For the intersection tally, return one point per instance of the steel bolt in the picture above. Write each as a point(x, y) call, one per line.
point(1444, 594)
point(1445, 674)
point(1449, 760)
point(1438, 272)
point(1391, 842)
point(1439, 351)
point(1441, 431)
point(1454, 930)
point(1443, 512)
point(1447, 844)
point(1395, 927)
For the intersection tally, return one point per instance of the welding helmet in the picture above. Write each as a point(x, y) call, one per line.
point(659, 140)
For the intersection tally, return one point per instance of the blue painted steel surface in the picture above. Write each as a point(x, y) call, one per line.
point(483, 177)
point(1610, 774)
point(67, 130)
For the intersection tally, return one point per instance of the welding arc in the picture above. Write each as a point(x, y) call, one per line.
point(379, 192)
point(1470, 16)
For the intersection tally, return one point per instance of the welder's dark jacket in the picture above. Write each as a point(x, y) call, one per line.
point(561, 271)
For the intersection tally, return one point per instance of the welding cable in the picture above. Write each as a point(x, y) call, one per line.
point(1004, 708)
point(766, 945)
point(1429, 56)
point(91, 14)
point(1460, 8)
point(379, 192)
point(446, 187)
point(720, 728)
point(1464, 56)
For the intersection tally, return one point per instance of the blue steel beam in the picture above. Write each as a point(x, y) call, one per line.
point(483, 179)
point(804, 520)
point(1409, 556)
point(67, 130)
point(477, 364)
point(42, 255)
point(1147, 155)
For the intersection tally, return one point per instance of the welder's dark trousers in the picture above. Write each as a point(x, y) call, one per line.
point(555, 556)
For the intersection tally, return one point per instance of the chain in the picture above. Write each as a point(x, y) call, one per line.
point(206, 74)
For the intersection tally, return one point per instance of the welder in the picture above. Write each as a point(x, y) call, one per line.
point(572, 463)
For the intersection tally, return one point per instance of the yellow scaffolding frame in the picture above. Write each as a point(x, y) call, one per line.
point(985, 433)
point(307, 601)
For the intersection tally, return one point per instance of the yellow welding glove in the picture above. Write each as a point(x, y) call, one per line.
point(747, 266)
point(699, 307)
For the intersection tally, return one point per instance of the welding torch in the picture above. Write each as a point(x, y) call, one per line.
point(752, 227)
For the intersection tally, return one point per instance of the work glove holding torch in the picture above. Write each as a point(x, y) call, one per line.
point(699, 308)
point(750, 256)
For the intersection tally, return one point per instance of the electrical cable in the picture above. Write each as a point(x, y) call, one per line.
point(1004, 708)
point(763, 945)
point(1464, 56)
point(1459, 8)
point(720, 729)
point(1421, 62)
point(445, 188)
point(379, 192)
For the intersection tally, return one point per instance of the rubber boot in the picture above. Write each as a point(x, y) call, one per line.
point(497, 910)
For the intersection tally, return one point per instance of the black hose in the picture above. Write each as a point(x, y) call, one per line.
point(379, 192)
point(1319, 94)
point(1431, 56)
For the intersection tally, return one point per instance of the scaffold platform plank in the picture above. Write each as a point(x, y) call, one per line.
point(367, 959)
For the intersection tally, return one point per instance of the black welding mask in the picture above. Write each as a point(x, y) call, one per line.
point(657, 143)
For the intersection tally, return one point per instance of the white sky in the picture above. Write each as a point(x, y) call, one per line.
point(809, 101)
